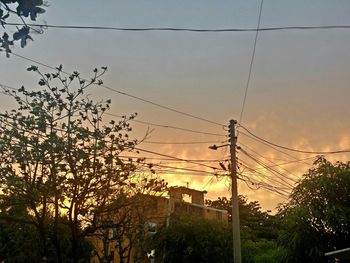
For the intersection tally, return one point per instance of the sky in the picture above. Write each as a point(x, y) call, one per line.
point(297, 97)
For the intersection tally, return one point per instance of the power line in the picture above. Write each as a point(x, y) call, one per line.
point(265, 185)
point(251, 62)
point(294, 150)
point(176, 158)
point(210, 181)
point(285, 163)
point(277, 173)
point(168, 126)
point(157, 142)
point(170, 159)
point(153, 124)
point(4, 87)
point(173, 172)
point(162, 106)
point(178, 168)
point(130, 95)
point(275, 164)
point(270, 146)
point(214, 30)
point(171, 163)
point(267, 188)
point(259, 183)
point(271, 179)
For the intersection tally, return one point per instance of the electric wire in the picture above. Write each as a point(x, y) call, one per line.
point(168, 126)
point(278, 177)
point(294, 150)
point(3, 86)
point(278, 174)
point(251, 62)
point(176, 158)
point(262, 176)
point(274, 148)
point(264, 185)
point(151, 165)
point(259, 185)
point(210, 181)
point(174, 143)
point(285, 163)
point(274, 164)
point(129, 95)
point(213, 30)
point(272, 190)
point(171, 159)
point(276, 183)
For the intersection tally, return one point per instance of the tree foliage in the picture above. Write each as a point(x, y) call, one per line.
point(260, 251)
point(20, 242)
point(255, 224)
point(258, 230)
point(189, 238)
point(317, 218)
point(58, 158)
point(23, 10)
point(126, 232)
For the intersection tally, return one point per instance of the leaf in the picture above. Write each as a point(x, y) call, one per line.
point(6, 43)
point(42, 82)
point(32, 68)
point(22, 34)
point(59, 68)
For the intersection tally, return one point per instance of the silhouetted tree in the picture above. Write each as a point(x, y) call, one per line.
point(317, 218)
point(190, 238)
point(20, 242)
point(259, 230)
point(59, 159)
point(255, 224)
point(23, 10)
point(126, 232)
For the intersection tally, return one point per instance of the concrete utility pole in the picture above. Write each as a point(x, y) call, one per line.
point(235, 211)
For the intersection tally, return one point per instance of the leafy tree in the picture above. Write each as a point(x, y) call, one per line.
point(189, 238)
point(255, 224)
point(261, 251)
point(22, 9)
point(59, 159)
point(127, 233)
point(317, 218)
point(258, 230)
point(19, 242)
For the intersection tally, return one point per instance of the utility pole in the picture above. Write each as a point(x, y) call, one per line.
point(235, 211)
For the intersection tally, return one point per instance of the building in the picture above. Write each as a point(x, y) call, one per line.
point(143, 217)
point(195, 205)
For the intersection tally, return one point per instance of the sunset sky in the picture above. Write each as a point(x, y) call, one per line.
point(298, 95)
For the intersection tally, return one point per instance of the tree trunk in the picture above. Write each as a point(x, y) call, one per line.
point(55, 230)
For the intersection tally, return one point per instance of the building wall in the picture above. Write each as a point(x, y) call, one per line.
point(152, 212)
